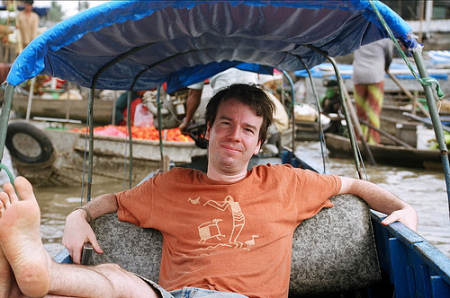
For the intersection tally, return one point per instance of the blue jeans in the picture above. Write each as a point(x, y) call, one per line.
point(189, 292)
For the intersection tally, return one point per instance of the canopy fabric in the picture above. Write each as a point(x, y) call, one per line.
point(183, 42)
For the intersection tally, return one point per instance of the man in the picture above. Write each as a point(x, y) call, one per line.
point(27, 23)
point(370, 64)
point(256, 211)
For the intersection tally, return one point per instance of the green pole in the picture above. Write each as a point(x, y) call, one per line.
point(6, 109)
point(435, 119)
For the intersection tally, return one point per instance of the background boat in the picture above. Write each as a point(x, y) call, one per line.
point(340, 147)
point(73, 109)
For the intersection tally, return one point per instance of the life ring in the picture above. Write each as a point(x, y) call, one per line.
point(28, 144)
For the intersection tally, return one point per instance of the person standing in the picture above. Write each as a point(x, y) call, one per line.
point(27, 23)
point(370, 63)
point(122, 105)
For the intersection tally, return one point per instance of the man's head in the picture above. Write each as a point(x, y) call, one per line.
point(28, 5)
point(249, 95)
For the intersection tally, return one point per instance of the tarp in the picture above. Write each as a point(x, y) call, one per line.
point(140, 44)
point(399, 70)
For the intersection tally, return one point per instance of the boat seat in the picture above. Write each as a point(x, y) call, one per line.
point(332, 252)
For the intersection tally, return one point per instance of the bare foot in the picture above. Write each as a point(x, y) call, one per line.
point(20, 239)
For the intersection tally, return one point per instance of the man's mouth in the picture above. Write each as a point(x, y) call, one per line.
point(231, 148)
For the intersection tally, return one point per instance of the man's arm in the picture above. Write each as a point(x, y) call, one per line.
point(381, 200)
point(77, 230)
point(192, 103)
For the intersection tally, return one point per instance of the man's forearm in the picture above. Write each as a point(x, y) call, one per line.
point(377, 197)
point(192, 103)
point(381, 200)
point(101, 205)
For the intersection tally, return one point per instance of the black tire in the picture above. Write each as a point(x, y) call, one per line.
point(27, 143)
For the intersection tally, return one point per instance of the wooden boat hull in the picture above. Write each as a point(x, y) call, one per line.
point(63, 108)
point(385, 154)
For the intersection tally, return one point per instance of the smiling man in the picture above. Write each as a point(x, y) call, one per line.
point(236, 134)
point(227, 232)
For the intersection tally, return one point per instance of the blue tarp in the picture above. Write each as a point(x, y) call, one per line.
point(324, 70)
point(182, 42)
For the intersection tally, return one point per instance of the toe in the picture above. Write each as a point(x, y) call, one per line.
point(11, 193)
point(4, 201)
point(24, 188)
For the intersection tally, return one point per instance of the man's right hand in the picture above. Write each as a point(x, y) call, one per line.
point(182, 126)
point(77, 231)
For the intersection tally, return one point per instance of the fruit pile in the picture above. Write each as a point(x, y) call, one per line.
point(143, 133)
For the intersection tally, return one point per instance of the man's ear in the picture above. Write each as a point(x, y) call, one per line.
point(208, 128)
point(258, 147)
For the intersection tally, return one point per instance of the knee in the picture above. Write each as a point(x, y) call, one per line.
point(124, 283)
point(109, 266)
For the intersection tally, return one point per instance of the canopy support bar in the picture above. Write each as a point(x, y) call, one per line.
point(351, 131)
point(6, 110)
point(438, 130)
point(291, 84)
point(90, 125)
point(91, 117)
point(130, 140)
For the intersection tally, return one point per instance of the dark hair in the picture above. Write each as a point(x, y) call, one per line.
point(250, 95)
point(28, 2)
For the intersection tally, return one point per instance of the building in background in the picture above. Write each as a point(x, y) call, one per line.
point(429, 19)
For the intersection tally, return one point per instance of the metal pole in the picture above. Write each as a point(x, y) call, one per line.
point(30, 99)
point(130, 138)
point(347, 117)
point(435, 119)
point(291, 83)
point(6, 109)
point(159, 106)
point(90, 120)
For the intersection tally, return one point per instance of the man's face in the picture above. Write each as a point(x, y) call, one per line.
point(233, 137)
point(28, 7)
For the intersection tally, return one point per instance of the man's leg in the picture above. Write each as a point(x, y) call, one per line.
point(36, 274)
point(7, 277)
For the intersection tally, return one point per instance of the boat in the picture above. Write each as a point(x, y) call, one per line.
point(358, 255)
point(54, 156)
point(393, 155)
point(72, 109)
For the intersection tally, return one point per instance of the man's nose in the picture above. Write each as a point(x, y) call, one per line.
point(235, 133)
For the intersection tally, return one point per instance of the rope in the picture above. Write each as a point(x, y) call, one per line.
point(10, 176)
point(423, 81)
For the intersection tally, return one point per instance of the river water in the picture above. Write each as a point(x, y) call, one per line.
point(425, 190)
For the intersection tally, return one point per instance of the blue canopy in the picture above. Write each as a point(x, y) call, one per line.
point(140, 44)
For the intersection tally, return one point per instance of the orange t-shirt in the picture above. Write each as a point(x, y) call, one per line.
point(233, 237)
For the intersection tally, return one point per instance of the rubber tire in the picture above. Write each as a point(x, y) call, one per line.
point(43, 141)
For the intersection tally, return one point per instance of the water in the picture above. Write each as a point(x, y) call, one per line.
point(56, 203)
point(425, 190)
